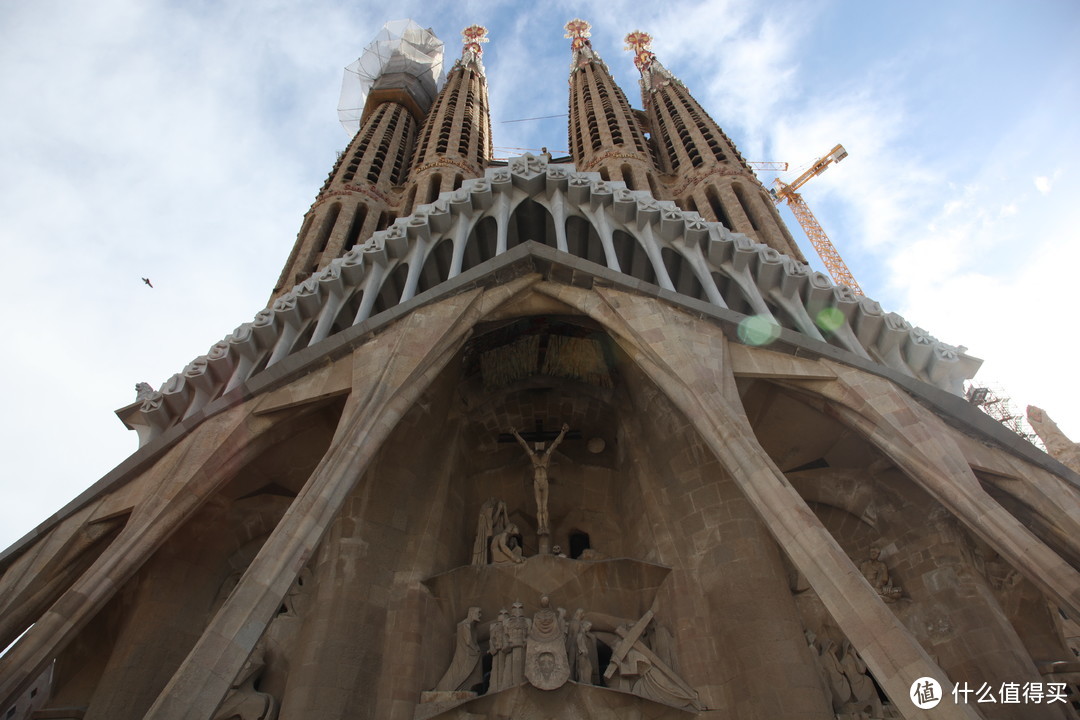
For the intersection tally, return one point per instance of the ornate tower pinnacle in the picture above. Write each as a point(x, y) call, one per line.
point(455, 142)
point(579, 31)
point(640, 43)
point(705, 171)
point(605, 134)
point(471, 51)
point(652, 72)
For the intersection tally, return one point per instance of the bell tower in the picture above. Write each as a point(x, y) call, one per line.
point(703, 169)
point(605, 134)
point(455, 141)
point(392, 85)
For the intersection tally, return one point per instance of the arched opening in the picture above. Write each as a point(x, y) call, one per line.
point(717, 207)
point(434, 182)
point(652, 185)
point(304, 338)
point(682, 274)
point(325, 229)
point(410, 197)
point(732, 294)
point(632, 257)
point(346, 314)
point(531, 221)
point(302, 235)
point(579, 543)
point(357, 224)
point(392, 287)
point(436, 267)
point(582, 241)
point(775, 215)
point(481, 243)
point(744, 202)
point(627, 176)
point(385, 219)
point(782, 316)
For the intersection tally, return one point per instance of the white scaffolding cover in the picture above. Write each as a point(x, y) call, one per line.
point(401, 46)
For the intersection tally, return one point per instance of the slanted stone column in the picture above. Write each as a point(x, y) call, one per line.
point(367, 605)
point(211, 456)
point(728, 600)
point(409, 356)
point(687, 361)
point(919, 443)
point(953, 611)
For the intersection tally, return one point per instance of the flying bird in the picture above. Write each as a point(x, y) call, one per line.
point(147, 281)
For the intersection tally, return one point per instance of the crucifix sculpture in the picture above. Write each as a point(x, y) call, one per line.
point(541, 459)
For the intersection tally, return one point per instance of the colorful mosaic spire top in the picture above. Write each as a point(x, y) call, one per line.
point(472, 36)
point(578, 30)
point(640, 43)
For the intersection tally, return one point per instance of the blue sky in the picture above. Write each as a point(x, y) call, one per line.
point(184, 141)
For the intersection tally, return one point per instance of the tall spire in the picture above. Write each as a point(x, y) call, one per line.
point(713, 177)
point(455, 142)
point(385, 94)
point(605, 134)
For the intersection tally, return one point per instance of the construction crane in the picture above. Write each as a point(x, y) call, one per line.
point(786, 192)
point(766, 165)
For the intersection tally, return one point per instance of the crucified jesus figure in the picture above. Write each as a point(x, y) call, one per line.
point(541, 459)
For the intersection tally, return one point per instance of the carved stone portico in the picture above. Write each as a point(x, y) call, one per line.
point(328, 518)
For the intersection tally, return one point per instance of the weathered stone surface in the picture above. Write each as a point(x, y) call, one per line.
point(739, 514)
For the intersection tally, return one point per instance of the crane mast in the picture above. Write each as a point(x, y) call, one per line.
point(787, 192)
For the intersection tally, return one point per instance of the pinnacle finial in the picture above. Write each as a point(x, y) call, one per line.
point(472, 36)
point(640, 43)
point(578, 30)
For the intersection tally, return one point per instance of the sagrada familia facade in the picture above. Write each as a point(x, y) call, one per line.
point(575, 437)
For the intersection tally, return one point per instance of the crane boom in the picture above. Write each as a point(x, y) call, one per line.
point(768, 165)
point(836, 266)
point(820, 165)
point(786, 192)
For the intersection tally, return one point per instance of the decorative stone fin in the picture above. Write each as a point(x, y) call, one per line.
point(677, 250)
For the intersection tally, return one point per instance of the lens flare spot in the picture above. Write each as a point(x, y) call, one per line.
point(830, 319)
point(758, 330)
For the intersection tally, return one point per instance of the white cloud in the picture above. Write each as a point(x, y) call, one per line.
point(1045, 183)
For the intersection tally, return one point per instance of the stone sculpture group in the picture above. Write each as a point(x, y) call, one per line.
point(845, 679)
point(548, 649)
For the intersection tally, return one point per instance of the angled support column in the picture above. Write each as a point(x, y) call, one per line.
point(406, 358)
point(49, 579)
point(695, 374)
point(177, 496)
point(919, 443)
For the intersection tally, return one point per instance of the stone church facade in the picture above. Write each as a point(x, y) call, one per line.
point(554, 438)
